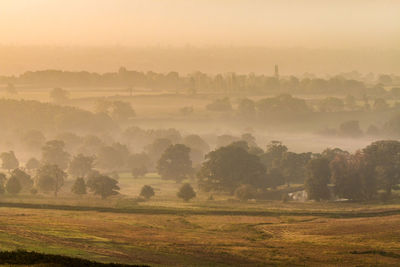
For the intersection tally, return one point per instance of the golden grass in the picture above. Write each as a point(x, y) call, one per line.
point(203, 239)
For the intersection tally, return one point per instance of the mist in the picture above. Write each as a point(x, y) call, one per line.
point(199, 133)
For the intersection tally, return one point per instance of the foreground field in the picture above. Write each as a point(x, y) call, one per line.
point(203, 240)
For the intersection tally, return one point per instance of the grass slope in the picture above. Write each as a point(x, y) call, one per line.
point(204, 240)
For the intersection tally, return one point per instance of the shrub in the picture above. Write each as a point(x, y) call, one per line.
point(186, 192)
point(147, 192)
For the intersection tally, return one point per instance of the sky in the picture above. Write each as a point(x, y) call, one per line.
point(278, 23)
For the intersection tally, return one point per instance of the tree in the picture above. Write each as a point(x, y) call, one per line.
point(50, 177)
point(79, 187)
point(294, 167)
point(249, 139)
point(285, 106)
point(273, 162)
point(186, 192)
point(3, 181)
point(175, 163)
point(228, 167)
point(103, 185)
point(352, 177)
point(59, 95)
point(345, 177)
point(318, 178)
point(23, 178)
point(331, 153)
point(9, 161)
point(13, 186)
point(53, 153)
point(147, 192)
point(384, 157)
point(71, 140)
point(80, 165)
point(122, 111)
point(32, 164)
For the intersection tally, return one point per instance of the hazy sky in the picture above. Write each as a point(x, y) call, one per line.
point(288, 23)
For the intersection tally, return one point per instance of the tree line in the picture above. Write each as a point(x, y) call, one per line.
point(240, 168)
point(202, 82)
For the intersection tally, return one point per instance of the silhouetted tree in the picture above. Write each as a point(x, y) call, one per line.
point(80, 165)
point(23, 178)
point(384, 156)
point(53, 153)
point(318, 178)
point(3, 181)
point(228, 167)
point(122, 111)
point(13, 186)
point(50, 178)
point(9, 161)
point(32, 164)
point(175, 163)
point(147, 192)
point(186, 192)
point(103, 186)
point(79, 187)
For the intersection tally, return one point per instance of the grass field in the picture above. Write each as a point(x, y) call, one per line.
point(166, 231)
point(204, 240)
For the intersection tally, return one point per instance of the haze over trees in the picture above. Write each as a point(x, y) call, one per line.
point(50, 178)
point(103, 186)
point(200, 133)
point(175, 163)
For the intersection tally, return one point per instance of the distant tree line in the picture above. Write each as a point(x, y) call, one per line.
point(200, 82)
point(369, 174)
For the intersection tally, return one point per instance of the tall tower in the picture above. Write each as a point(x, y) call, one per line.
point(277, 72)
